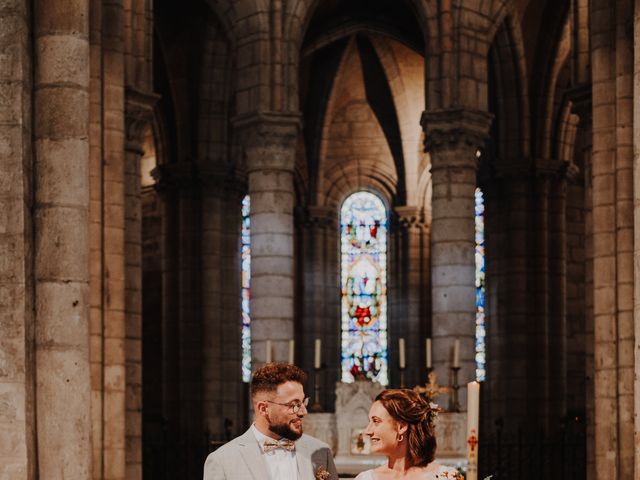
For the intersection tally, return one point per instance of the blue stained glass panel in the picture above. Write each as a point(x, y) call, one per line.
point(246, 290)
point(480, 288)
point(363, 220)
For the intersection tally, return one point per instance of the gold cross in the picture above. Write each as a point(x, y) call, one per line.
point(431, 389)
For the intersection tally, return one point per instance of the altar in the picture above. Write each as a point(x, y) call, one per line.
point(344, 430)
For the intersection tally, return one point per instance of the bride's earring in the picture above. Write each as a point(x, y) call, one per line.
point(400, 438)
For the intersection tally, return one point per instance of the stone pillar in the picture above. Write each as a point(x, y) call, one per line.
point(612, 76)
point(558, 262)
point(234, 395)
point(453, 138)
point(167, 187)
point(508, 237)
point(17, 414)
point(138, 115)
point(61, 225)
point(113, 248)
point(221, 314)
point(152, 326)
point(269, 141)
point(181, 363)
point(538, 297)
point(411, 292)
point(636, 230)
point(589, 342)
point(318, 263)
point(191, 432)
point(96, 240)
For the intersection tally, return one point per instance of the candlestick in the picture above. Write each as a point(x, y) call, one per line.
point(473, 415)
point(402, 359)
point(454, 405)
point(316, 407)
point(291, 351)
point(268, 355)
point(317, 355)
point(456, 354)
point(427, 347)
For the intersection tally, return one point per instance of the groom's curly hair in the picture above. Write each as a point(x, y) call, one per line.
point(407, 406)
point(268, 377)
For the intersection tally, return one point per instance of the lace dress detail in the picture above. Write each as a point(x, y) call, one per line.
point(443, 473)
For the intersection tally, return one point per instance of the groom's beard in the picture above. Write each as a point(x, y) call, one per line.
point(284, 430)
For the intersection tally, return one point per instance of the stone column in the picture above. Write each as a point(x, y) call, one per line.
point(453, 138)
point(270, 141)
point(113, 247)
point(190, 450)
point(96, 237)
point(221, 315)
point(612, 76)
point(507, 245)
point(636, 230)
point(411, 292)
point(558, 262)
point(172, 180)
point(319, 318)
point(17, 414)
point(61, 225)
point(138, 115)
point(234, 396)
point(538, 298)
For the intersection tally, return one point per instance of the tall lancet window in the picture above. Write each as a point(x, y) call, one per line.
point(363, 220)
point(480, 290)
point(246, 291)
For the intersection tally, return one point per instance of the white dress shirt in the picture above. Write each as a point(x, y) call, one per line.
point(281, 463)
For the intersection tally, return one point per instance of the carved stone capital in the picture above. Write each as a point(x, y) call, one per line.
point(521, 169)
point(221, 182)
point(453, 129)
point(555, 169)
point(179, 177)
point(517, 169)
point(410, 217)
point(269, 140)
point(580, 98)
point(314, 216)
point(138, 114)
point(571, 172)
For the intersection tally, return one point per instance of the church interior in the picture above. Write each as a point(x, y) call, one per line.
point(370, 189)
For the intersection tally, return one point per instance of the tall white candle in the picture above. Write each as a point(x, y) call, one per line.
point(268, 355)
point(317, 357)
point(473, 415)
point(291, 350)
point(401, 359)
point(427, 347)
point(456, 353)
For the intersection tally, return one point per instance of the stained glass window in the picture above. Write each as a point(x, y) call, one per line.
point(246, 291)
point(363, 220)
point(480, 288)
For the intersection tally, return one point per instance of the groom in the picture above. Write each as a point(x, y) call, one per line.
point(274, 447)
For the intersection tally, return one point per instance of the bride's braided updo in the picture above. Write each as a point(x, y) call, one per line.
point(409, 407)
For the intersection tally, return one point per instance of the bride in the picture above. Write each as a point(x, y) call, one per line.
point(401, 426)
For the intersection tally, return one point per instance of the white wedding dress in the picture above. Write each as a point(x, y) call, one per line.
point(441, 473)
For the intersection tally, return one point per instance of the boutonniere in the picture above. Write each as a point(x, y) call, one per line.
point(322, 473)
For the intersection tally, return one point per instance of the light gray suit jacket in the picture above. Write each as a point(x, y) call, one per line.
point(242, 459)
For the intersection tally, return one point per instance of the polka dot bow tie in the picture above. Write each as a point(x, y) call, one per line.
point(271, 445)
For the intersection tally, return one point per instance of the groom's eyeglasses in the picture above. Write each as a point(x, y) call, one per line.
point(294, 406)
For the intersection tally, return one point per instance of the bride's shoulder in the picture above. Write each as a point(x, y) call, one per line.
point(366, 475)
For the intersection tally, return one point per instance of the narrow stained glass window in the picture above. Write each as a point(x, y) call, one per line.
point(246, 291)
point(363, 220)
point(480, 290)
